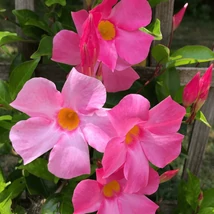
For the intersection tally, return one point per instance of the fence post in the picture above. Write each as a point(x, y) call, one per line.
point(199, 139)
point(24, 48)
point(163, 12)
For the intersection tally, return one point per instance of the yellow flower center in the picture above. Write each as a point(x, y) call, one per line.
point(111, 188)
point(107, 30)
point(68, 119)
point(132, 134)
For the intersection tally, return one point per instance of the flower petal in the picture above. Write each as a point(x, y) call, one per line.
point(153, 183)
point(118, 80)
point(70, 157)
point(82, 93)
point(104, 7)
point(138, 13)
point(33, 137)
point(108, 53)
point(114, 156)
point(86, 197)
point(38, 98)
point(131, 110)
point(98, 130)
point(66, 48)
point(135, 204)
point(166, 117)
point(133, 52)
point(161, 149)
point(109, 206)
point(79, 18)
point(191, 90)
point(136, 168)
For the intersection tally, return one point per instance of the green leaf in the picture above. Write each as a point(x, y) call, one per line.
point(188, 193)
point(154, 29)
point(207, 210)
point(168, 84)
point(6, 33)
point(51, 205)
point(5, 206)
point(5, 98)
point(40, 24)
point(201, 117)
point(45, 48)
point(189, 55)
point(20, 75)
point(5, 145)
point(153, 3)
point(192, 190)
point(2, 10)
point(3, 185)
point(39, 168)
point(11, 39)
point(60, 203)
point(160, 53)
point(208, 198)
point(5, 117)
point(36, 185)
point(19, 210)
point(14, 189)
point(25, 15)
point(51, 2)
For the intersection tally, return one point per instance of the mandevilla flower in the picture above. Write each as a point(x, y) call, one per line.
point(196, 91)
point(62, 121)
point(143, 135)
point(178, 17)
point(168, 175)
point(110, 195)
point(118, 27)
point(109, 38)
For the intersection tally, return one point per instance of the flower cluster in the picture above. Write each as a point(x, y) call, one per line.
point(131, 135)
point(107, 42)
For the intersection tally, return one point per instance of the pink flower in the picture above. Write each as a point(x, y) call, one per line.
point(168, 175)
point(177, 18)
point(110, 195)
point(197, 90)
point(116, 53)
point(62, 121)
point(143, 135)
point(118, 31)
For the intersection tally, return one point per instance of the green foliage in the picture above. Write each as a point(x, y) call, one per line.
point(161, 53)
point(5, 97)
point(51, 2)
point(168, 84)
point(188, 193)
point(20, 75)
point(45, 48)
point(153, 29)
point(39, 168)
point(189, 55)
point(153, 3)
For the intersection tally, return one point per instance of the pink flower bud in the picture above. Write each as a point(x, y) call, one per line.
point(177, 18)
point(204, 86)
point(191, 91)
point(168, 175)
point(89, 46)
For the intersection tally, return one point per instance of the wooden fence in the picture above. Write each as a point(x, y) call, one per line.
point(200, 132)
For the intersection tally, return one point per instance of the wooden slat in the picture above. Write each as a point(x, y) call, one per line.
point(50, 71)
point(199, 138)
point(164, 12)
point(25, 48)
